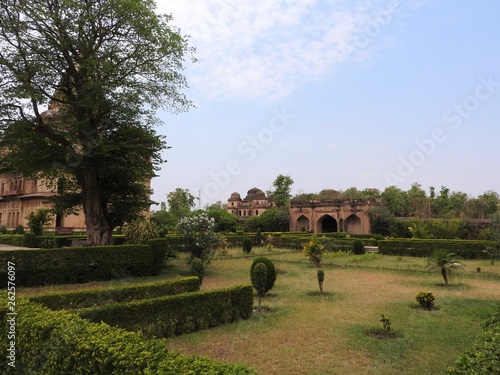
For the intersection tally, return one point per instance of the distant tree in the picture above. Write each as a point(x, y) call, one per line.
point(380, 220)
point(104, 68)
point(272, 220)
point(165, 221)
point(224, 221)
point(396, 201)
point(180, 202)
point(282, 188)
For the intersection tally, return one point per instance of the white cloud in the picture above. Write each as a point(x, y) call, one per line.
point(266, 48)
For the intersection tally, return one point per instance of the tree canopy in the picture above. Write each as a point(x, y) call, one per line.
point(102, 68)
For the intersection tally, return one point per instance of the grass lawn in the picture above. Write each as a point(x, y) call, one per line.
point(304, 332)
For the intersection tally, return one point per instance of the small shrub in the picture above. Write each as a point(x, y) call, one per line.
point(386, 322)
point(271, 271)
point(247, 245)
point(3, 229)
point(259, 280)
point(426, 300)
point(314, 250)
point(140, 231)
point(19, 229)
point(358, 248)
point(198, 268)
point(321, 278)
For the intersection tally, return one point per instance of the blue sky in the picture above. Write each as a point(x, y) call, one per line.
point(336, 94)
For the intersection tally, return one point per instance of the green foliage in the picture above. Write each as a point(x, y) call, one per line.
point(258, 237)
point(198, 269)
point(180, 202)
point(259, 280)
point(199, 237)
point(224, 221)
point(321, 278)
point(271, 271)
point(105, 76)
point(424, 248)
point(247, 245)
point(386, 322)
point(173, 315)
point(358, 247)
point(82, 264)
point(61, 343)
point(314, 251)
point(483, 357)
point(426, 300)
point(38, 219)
point(3, 229)
point(281, 193)
point(96, 297)
point(140, 231)
point(272, 220)
point(19, 229)
point(444, 262)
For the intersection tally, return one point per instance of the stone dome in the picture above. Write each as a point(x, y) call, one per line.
point(255, 194)
point(235, 197)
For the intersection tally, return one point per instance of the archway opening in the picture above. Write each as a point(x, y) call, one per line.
point(302, 223)
point(328, 224)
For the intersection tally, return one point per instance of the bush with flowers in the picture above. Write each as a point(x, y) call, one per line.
point(199, 237)
point(314, 251)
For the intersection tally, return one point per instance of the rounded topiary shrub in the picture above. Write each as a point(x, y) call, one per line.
point(271, 271)
point(247, 245)
point(358, 248)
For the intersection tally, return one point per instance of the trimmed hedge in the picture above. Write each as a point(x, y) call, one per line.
point(81, 264)
point(175, 315)
point(61, 343)
point(484, 356)
point(89, 298)
point(47, 242)
point(424, 248)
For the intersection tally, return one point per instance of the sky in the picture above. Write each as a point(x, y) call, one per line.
point(335, 94)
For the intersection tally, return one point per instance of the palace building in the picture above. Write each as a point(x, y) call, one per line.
point(254, 204)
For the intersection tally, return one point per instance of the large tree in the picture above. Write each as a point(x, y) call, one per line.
point(282, 188)
point(103, 68)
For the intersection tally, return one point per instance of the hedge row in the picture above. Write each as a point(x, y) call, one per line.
point(47, 242)
point(81, 264)
point(89, 298)
point(484, 356)
point(175, 315)
point(425, 248)
point(61, 343)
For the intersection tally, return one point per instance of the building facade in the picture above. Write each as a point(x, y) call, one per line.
point(337, 215)
point(254, 204)
point(19, 196)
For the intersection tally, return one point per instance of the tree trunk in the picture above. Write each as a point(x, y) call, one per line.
point(445, 275)
point(99, 232)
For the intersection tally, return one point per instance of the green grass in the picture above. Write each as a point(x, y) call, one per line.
point(302, 331)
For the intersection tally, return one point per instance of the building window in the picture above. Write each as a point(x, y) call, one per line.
point(256, 212)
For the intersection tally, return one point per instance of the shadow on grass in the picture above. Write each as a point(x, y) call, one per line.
point(318, 294)
point(379, 333)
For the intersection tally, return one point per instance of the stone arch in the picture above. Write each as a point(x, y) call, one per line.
point(353, 224)
point(303, 222)
point(327, 224)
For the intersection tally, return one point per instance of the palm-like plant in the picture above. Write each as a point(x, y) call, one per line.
point(445, 262)
point(38, 219)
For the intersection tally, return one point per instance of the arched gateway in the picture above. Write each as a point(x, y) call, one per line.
point(338, 215)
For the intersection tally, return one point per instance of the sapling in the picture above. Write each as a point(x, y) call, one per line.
point(321, 278)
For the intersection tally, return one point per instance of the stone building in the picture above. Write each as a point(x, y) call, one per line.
point(337, 215)
point(254, 204)
point(19, 196)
